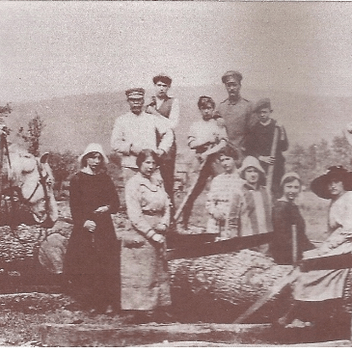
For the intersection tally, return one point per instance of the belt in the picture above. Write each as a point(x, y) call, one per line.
point(151, 212)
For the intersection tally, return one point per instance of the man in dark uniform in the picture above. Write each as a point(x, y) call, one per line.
point(236, 112)
point(167, 108)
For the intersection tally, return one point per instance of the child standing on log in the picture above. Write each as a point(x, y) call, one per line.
point(206, 137)
point(260, 140)
point(255, 210)
point(225, 190)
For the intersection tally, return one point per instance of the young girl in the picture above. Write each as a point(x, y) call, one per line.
point(224, 194)
point(255, 210)
point(286, 214)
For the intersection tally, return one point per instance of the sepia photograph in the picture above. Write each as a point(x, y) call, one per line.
point(175, 174)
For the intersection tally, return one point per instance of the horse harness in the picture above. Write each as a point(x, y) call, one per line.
point(13, 202)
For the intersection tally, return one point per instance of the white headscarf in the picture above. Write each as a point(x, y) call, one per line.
point(93, 148)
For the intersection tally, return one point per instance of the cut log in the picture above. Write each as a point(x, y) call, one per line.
point(230, 281)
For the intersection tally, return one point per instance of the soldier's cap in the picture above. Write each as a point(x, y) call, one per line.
point(161, 77)
point(262, 104)
point(135, 93)
point(231, 74)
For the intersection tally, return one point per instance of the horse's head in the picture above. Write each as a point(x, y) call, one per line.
point(33, 178)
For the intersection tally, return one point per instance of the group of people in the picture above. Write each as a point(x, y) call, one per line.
point(252, 195)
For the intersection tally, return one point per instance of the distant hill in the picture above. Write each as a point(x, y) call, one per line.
point(72, 122)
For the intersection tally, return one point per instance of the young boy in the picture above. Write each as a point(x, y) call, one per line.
point(260, 140)
point(255, 212)
point(206, 137)
point(224, 195)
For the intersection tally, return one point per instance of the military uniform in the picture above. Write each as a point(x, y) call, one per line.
point(238, 120)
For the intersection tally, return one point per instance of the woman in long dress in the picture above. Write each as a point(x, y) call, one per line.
point(93, 252)
point(144, 272)
point(318, 292)
point(285, 215)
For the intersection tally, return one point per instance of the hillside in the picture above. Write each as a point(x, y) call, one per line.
point(74, 121)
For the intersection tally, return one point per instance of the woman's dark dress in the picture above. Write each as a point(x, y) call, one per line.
point(93, 259)
point(286, 214)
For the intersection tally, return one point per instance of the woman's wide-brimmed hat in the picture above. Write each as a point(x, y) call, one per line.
point(93, 148)
point(320, 185)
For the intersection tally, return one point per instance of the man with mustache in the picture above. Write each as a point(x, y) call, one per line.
point(137, 130)
point(236, 112)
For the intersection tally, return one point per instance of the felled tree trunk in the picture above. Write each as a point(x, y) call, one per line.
point(221, 287)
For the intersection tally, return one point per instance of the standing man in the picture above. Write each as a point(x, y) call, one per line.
point(167, 108)
point(137, 130)
point(236, 112)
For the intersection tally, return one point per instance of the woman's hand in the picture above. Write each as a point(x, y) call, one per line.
point(102, 209)
point(90, 225)
point(218, 214)
point(158, 238)
point(161, 228)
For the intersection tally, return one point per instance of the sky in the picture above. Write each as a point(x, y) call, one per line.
point(52, 49)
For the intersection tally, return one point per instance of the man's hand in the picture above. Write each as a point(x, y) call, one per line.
point(220, 121)
point(102, 209)
point(158, 238)
point(90, 225)
point(218, 215)
point(267, 159)
point(135, 149)
point(160, 152)
point(151, 110)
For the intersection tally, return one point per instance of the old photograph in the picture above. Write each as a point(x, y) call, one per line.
point(175, 173)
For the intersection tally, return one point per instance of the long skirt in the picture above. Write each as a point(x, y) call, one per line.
point(321, 285)
point(144, 273)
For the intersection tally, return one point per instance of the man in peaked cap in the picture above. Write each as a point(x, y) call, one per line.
point(137, 130)
point(236, 111)
point(167, 108)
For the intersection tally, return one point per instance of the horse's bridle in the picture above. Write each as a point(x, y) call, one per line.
point(15, 195)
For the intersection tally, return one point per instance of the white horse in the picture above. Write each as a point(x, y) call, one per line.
point(30, 181)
